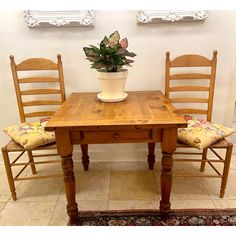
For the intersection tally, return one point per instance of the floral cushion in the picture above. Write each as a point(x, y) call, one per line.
point(31, 134)
point(201, 133)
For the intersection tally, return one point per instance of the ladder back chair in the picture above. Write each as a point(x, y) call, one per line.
point(29, 92)
point(191, 90)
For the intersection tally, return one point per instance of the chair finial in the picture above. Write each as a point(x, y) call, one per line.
point(168, 54)
point(11, 58)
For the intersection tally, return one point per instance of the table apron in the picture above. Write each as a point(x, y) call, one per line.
point(116, 136)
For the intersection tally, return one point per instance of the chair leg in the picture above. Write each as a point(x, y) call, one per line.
point(9, 173)
point(31, 159)
point(226, 169)
point(204, 157)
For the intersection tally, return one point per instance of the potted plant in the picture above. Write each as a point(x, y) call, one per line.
point(108, 59)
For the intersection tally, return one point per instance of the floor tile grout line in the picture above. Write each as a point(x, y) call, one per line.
point(5, 203)
point(214, 203)
point(157, 186)
point(52, 213)
point(109, 186)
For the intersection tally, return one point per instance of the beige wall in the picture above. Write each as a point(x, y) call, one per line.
point(149, 42)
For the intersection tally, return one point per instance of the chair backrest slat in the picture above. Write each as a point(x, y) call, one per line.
point(38, 80)
point(190, 76)
point(191, 111)
point(190, 61)
point(39, 114)
point(36, 64)
point(51, 88)
point(188, 88)
point(188, 100)
point(42, 102)
point(40, 91)
point(181, 88)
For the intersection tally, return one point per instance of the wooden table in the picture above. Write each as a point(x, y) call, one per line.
point(144, 117)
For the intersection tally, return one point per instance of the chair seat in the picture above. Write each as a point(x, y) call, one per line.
point(222, 143)
point(12, 146)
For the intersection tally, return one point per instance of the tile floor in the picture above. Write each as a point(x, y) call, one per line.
point(113, 186)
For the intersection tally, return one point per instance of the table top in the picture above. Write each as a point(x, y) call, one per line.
point(149, 108)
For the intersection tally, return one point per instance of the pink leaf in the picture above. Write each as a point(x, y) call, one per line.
point(124, 43)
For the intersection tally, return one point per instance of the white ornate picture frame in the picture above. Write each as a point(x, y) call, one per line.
point(147, 17)
point(35, 18)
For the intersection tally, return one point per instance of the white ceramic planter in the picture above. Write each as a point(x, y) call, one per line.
point(112, 85)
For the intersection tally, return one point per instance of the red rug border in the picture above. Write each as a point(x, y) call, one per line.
point(176, 212)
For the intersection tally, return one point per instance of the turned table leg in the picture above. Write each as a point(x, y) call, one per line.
point(168, 147)
point(151, 155)
point(85, 156)
point(65, 149)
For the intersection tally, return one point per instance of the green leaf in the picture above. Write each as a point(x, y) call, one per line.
point(93, 59)
point(89, 52)
point(96, 49)
point(97, 66)
point(104, 41)
point(130, 54)
point(129, 61)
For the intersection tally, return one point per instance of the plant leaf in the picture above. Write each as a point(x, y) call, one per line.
point(113, 40)
point(93, 59)
point(124, 43)
point(97, 65)
point(104, 41)
point(129, 61)
point(90, 52)
point(130, 54)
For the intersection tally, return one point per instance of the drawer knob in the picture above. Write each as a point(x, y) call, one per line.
point(115, 135)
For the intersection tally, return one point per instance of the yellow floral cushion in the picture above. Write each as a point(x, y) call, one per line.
point(30, 134)
point(201, 133)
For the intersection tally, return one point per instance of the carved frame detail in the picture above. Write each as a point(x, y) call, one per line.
point(146, 17)
point(35, 18)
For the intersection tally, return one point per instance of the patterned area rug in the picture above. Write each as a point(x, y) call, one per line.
point(198, 217)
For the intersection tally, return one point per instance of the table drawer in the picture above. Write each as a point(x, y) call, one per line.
point(116, 136)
